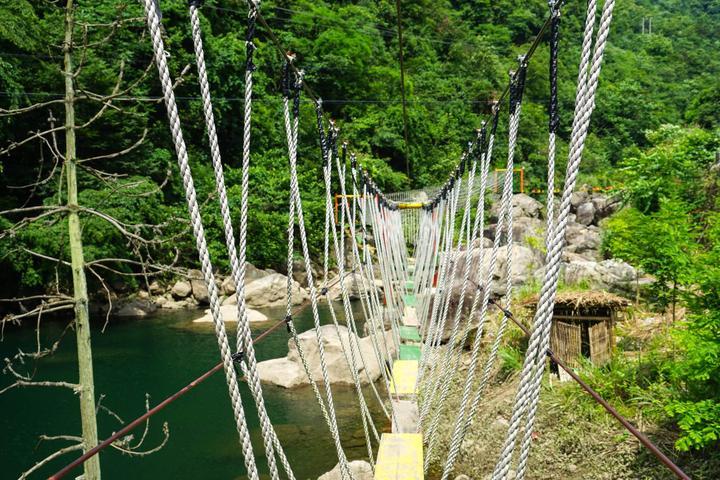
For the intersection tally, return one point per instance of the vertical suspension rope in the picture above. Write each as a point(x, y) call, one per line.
point(237, 260)
point(153, 23)
point(329, 408)
point(553, 113)
point(462, 420)
point(528, 391)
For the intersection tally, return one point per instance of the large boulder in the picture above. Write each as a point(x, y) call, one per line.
point(525, 206)
point(288, 372)
point(522, 206)
point(613, 275)
point(229, 314)
point(529, 232)
point(355, 285)
point(578, 198)
point(585, 214)
point(199, 289)
point(525, 263)
point(271, 291)
point(606, 206)
point(181, 289)
point(583, 240)
point(136, 308)
point(361, 470)
point(252, 273)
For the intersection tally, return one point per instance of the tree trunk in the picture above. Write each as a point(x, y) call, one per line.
point(82, 317)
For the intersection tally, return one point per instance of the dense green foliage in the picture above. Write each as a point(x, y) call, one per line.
point(671, 230)
point(457, 56)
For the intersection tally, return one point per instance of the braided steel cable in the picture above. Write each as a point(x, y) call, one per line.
point(459, 434)
point(350, 360)
point(506, 205)
point(295, 192)
point(542, 323)
point(366, 287)
point(452, 354)
point(160, 55)
point(244, 337)
point(291, 133)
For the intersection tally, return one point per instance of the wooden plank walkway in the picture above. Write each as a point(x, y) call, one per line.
point(400, 456)
point(410, 352)
point(404, 378)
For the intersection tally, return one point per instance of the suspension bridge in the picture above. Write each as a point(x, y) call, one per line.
point(413, 253)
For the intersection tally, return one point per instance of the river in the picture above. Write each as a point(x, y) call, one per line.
point(157, 355)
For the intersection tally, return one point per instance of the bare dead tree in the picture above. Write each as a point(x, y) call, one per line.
point(59, 165)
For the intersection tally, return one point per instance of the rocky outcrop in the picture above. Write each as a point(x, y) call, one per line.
point(229, 314)
point(613, 275)
point(361, 470)
point(288, 371)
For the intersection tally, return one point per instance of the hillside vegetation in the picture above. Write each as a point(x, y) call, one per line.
point(654, 138)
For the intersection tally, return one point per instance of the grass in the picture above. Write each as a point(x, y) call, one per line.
point(574, 437)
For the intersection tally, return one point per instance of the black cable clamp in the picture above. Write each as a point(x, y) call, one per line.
point(249, 36)
point(288, 322)
point(324, 291)
point(195, 3)
point(238, 357)
point(496, 117)
point(286, 75)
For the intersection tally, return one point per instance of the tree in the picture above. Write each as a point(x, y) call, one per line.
point(697, 370)
point(23, 233)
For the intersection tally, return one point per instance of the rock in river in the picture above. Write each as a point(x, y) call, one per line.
point(229, 314)
point(288, 371)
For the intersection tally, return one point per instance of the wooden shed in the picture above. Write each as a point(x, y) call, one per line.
point(583, 324)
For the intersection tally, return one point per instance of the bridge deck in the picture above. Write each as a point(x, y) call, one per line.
point(400, 457)
point(404, 378)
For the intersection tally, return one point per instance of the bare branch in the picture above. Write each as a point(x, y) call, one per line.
point(107, 295)
point(50, 458)
point(120, 153)
point(32, 137)
point(35, 106)
point(24, 383)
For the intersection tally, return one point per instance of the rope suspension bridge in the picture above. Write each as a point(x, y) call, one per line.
point(411, 253)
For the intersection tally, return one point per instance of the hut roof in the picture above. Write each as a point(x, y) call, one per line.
point(584, 299)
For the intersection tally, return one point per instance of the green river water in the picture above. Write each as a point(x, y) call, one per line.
point(158, 355)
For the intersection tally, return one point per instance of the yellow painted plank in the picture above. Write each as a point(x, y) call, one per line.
point(400, 457)
point(404, 377)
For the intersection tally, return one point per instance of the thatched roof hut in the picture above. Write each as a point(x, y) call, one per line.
point(583, 324)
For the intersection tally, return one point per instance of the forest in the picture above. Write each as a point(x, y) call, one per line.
point(654, 141)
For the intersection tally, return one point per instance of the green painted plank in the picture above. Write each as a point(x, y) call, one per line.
point(409, 352)
point(410, 333)
point(410, 301)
